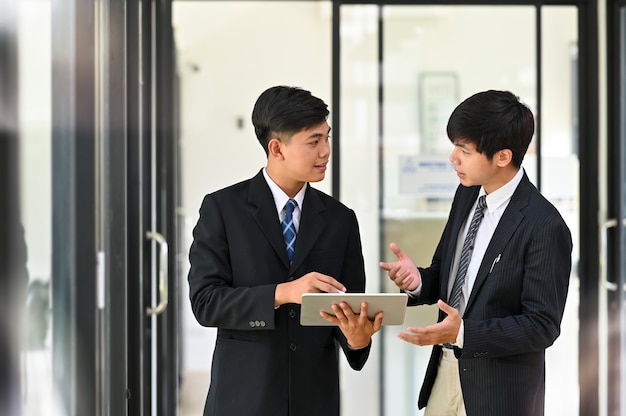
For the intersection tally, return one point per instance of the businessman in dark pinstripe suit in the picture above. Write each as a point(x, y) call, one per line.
point(488, 357)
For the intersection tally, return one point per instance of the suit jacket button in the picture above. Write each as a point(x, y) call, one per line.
point(251, 323)
point(292, 346)
point(292, 313)
point(257, 323)
point(262, 324)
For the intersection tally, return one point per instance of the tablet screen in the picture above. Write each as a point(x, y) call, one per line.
point(392, 304)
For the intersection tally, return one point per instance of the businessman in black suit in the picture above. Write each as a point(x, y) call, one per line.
point(508, 310)
point(243, 282)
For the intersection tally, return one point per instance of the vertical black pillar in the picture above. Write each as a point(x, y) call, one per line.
point(588, 344)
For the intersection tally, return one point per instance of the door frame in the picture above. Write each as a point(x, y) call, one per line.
point(614, 275)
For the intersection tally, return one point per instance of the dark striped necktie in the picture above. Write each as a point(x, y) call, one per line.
point(466, 254)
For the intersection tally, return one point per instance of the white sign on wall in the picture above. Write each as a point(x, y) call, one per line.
point(427, 176)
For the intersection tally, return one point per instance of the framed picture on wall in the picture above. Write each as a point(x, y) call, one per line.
point(437, 97)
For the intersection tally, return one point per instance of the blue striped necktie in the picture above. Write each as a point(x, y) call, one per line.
point(289, 228)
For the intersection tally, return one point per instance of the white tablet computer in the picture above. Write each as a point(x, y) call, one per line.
point(392, 304)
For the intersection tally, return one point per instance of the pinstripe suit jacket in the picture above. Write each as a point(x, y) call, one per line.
point(264, 362)
point(515, 308)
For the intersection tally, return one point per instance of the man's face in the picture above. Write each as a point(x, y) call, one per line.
point(473, 168)
point(306, 155)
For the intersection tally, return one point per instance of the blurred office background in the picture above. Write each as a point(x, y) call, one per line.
point(117, 117)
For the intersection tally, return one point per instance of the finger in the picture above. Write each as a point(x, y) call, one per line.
point(363, 315)
point(330, 318)
point(328, 287)
point(415, 330)
point(408, 338)
point(346, 310)
point(385, 266)
point(364, 308)
point(330, 284)
point(394, 271)
point(339, 313)
point(397, 251)
point(378, 321)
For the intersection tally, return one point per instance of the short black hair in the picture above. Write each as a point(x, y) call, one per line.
point(286, 111)
point(493, 120)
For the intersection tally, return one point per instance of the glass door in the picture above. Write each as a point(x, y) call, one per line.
point(397, 89)
point(91, 146)
point(152, 298)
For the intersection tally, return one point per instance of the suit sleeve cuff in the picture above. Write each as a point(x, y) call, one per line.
point(415, 293)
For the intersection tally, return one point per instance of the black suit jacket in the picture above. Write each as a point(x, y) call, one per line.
point(515, 308)
point(265, 363)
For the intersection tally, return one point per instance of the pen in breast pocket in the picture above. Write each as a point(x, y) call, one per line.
point(497, 259)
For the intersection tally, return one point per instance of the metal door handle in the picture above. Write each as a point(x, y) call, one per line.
point(163, 275)
point(612, 223)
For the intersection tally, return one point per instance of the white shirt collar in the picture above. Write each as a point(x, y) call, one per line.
point(503, 194)
point(280, 197)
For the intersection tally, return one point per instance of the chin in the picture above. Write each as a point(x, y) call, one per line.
point(316, 178)
point(467, 183)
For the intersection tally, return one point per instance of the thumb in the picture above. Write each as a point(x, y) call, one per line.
point(447, 309)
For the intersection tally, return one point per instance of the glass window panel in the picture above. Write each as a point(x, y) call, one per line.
point(433, 58)
point(34, 22)
point(560, 173)
point(359, 187)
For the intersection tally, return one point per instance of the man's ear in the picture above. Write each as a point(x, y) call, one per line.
point(274, 148)
point(504, 157)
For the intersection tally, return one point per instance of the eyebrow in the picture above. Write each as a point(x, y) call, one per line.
point(320, 134)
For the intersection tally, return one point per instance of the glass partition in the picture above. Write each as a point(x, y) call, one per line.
point(560, 174)
point(34, 22)
point(403, 70)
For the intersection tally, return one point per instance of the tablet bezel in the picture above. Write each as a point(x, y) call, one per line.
point(392, 304)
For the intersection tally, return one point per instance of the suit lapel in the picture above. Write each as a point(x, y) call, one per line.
point(264, 212)
point(510, 221)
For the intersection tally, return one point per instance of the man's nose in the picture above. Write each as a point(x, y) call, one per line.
point(325, 149)
point(453, 156)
